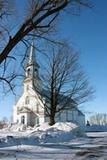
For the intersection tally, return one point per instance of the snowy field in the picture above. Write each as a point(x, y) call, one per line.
point(61, 142)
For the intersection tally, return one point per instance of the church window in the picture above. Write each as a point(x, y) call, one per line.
point(37, 109)
point(37, 121)
point(27, 87)
point(18, 110)
point(27, 100)
point(23, 119)
point(28, 72)
point(66, 115)
point(59, 116)
point(36, 70)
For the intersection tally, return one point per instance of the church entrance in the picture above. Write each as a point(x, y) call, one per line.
point(37, 121)
point(23, 119)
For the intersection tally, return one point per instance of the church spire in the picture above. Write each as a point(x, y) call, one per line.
point(32, 54)
point(32, 57)
point(32, 65)
point(32, 69)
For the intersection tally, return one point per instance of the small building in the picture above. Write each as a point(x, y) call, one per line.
point(30, 108)
point(3, 125)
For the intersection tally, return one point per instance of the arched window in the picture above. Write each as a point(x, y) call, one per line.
point(27, 87)
point(37, 108)
point(27, 100)
point(28, 72)
point(23, 119)
point(36, 71)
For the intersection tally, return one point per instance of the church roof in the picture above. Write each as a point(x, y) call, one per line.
point(61, 98)
point(80, 113)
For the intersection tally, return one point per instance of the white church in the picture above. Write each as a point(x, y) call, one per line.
point(30, 109)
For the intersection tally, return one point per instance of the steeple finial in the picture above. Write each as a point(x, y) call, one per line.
point(32, 54)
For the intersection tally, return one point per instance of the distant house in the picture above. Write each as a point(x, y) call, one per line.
point(30, 110)
point(3, 125)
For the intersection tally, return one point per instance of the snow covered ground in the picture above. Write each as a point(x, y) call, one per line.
point(63, 141)
point(96, 128)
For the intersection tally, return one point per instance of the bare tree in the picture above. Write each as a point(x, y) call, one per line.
point(5, 120)
point(65, 83)
point(4, 8)
point(98, 119)
point(41, 18)
point(43, 14)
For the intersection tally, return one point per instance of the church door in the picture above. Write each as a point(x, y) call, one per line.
point(37, 121)
point(23, 119)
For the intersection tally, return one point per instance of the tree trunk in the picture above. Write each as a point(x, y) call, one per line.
point(53, 110)
point(52, 120)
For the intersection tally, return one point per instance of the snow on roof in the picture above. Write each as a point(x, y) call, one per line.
point(80, 113)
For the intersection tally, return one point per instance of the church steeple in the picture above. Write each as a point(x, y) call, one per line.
point(32, 69)
point(32, 54)
point(32, 66)
point(32, 58)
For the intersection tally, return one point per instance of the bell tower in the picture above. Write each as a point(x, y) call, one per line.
point(32, 79)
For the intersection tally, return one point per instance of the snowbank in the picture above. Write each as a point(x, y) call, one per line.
point(15, 127)
point(60, 132)
point(96, 128)
point(64, 126)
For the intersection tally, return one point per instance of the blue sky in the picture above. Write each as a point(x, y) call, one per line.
point(88, 34)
